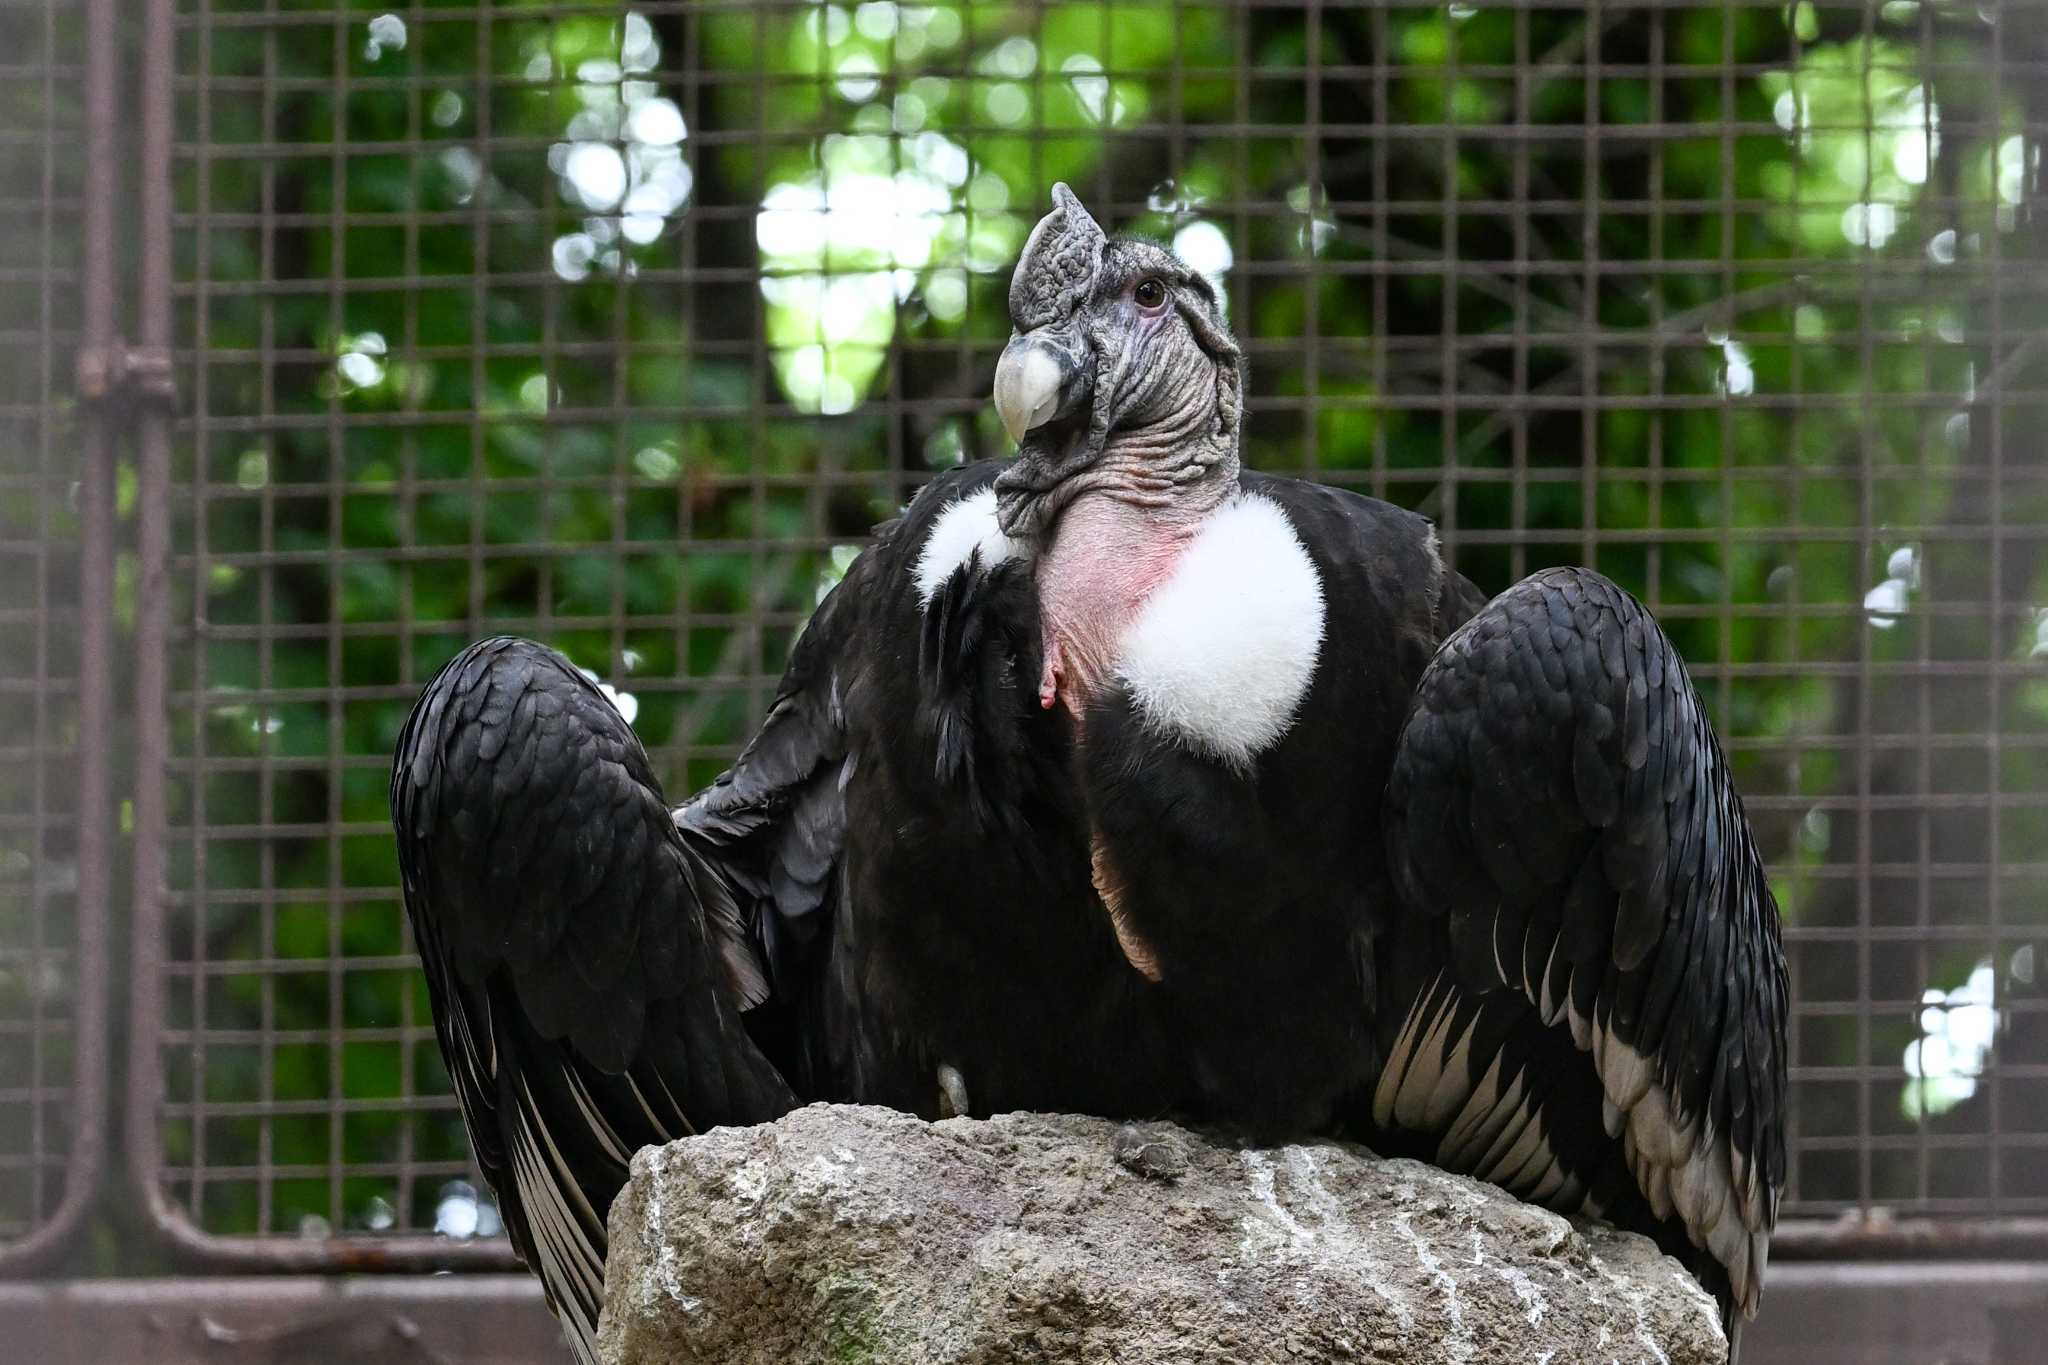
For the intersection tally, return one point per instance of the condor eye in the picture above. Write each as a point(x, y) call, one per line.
point(1149, 293)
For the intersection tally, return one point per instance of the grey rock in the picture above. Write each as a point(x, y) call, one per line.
point(844, 1234)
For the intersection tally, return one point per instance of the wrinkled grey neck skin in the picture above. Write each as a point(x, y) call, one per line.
point(1164, 427)
point(1119, 526)
point(1111, 504)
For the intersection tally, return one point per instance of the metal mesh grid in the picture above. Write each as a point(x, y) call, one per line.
point(39, 617)
point(618, 326)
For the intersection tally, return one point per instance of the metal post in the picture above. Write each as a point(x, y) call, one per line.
point(96, 451)
point(145, 990)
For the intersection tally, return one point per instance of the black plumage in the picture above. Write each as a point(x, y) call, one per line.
point(906, 750)
point(1561, 823)
point(588, 971)
point(1467, 878)
point(1259, 900)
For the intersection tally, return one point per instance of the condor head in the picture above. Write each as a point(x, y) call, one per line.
point(1120, 374)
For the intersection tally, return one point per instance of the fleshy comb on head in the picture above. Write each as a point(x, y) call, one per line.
point(1058, 265)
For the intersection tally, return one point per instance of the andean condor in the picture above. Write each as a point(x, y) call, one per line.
point(1119, 779)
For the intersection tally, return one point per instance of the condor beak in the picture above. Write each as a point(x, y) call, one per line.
point(1040, 377)
point(1027, 387)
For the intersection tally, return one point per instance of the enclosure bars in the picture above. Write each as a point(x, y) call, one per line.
point(144, 1137)
point(101, 364)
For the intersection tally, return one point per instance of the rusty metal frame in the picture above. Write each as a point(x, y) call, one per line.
point(1838, 1313)
point(98, 439)
point(1874, 1237)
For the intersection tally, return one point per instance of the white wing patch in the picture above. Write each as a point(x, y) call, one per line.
point(967, 525)
point(559, 1217)
point(1222, 652)
point(594, 1119)
point(1684, 1167)
point(1483, 1128)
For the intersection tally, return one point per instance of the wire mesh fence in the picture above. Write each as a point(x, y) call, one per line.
point(619, 325)
point(42, 503)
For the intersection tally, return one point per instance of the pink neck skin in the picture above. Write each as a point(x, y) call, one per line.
point(1104, 558)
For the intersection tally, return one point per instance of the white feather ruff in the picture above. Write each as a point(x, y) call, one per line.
point(967, 525)
point(1223, 651)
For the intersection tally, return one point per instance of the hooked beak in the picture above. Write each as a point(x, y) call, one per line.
point(1044, 383)
point(1027, 387)
point(1040, 377)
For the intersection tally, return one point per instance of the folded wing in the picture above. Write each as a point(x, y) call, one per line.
point(1561, 819)
point(590, 970)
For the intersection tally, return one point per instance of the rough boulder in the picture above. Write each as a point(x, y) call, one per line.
point(848, 1234)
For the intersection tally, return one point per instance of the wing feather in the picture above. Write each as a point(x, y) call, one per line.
point(1560, 808)
point(574, 972)
point(607, 973)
